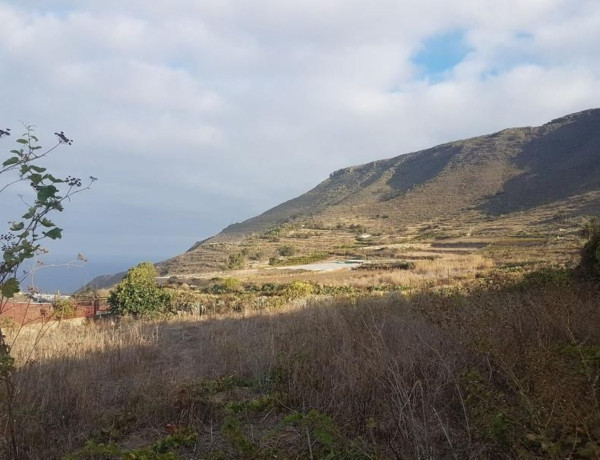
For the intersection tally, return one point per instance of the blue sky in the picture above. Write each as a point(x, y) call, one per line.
point(441, 53)
point(195, 115)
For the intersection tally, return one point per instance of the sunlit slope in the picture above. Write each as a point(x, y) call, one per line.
point(518, 176)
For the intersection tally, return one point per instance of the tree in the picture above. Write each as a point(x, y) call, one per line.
point(138, 294)
point(44, 196)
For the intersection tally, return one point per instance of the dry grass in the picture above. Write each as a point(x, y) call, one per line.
point(431, 268)
point(505, 370)
point(348, 361)
point(448, 269)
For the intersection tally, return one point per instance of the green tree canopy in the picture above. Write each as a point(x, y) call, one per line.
point(138, 294)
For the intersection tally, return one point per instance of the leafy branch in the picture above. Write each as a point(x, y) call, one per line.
point(25, 236)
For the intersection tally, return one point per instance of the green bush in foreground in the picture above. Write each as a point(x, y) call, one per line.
point(138, 294)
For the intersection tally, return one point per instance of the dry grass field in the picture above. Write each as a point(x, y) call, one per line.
point(442, 344)
point(454, 324)
point(497, 368)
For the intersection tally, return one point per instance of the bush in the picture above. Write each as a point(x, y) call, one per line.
point(589, 265)
point(287, 250)
point(184, 301)
point(399, 265)
point(297, 289)
point(236, 261)
point(63, 308)
point(138, 294)
point(298, 260)
point(225, 285)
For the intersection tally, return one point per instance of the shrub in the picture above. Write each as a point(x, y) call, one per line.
point(287, 250)
point(256, 255)
point(298, 289)
point(589, 265)
point(399, 265)
point(236, 261)
point(233, 285)
point(299, 260)
point(63, 308)
point(138, 294)
point(226, 285)
point(358, 229)
point(271, 289)
point(184, 300)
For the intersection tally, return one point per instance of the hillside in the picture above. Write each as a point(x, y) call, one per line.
point(460, 320)
point(495, 185)
point(550, 172)
point(504, 172)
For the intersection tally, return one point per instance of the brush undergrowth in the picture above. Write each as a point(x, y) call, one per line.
point(506, 368)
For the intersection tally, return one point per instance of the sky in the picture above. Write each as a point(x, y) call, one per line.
point(194, 115)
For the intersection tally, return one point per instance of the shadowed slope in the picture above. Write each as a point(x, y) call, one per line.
point(511, 170)
point(561, 160)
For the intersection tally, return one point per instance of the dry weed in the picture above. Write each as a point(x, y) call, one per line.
point(505, 370)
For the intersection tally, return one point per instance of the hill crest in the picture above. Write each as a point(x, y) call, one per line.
point(502, 162)
point(549, 173)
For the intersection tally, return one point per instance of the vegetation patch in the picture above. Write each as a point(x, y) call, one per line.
point(508, 369)
point(163, 449)
point(236, 260)
point(298, 260)
point(139, 295)
point(385, 266)
point(589, 266)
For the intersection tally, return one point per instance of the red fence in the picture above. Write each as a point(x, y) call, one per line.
point(29, 312)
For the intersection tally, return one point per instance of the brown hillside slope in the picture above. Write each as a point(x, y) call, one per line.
point(513, 171)
point(512, 179)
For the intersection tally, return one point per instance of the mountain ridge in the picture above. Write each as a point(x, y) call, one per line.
point(462, 183)
point(428, 163)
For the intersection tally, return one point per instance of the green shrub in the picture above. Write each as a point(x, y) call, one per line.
point(298, 289)
point(549, 275)
point(225, 285)
point(298, 260)
point(256, 255)
point(184, 300)
point(271, 289)
point(163, 449)
point(399, 265)
point(138, 294)
point(63, 308)
point(286, 250)
point(233, 285)
point(236, 261)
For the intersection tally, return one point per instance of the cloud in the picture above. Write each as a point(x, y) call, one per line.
point(197, 114)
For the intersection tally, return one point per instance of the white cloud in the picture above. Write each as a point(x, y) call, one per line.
point(197, 114)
